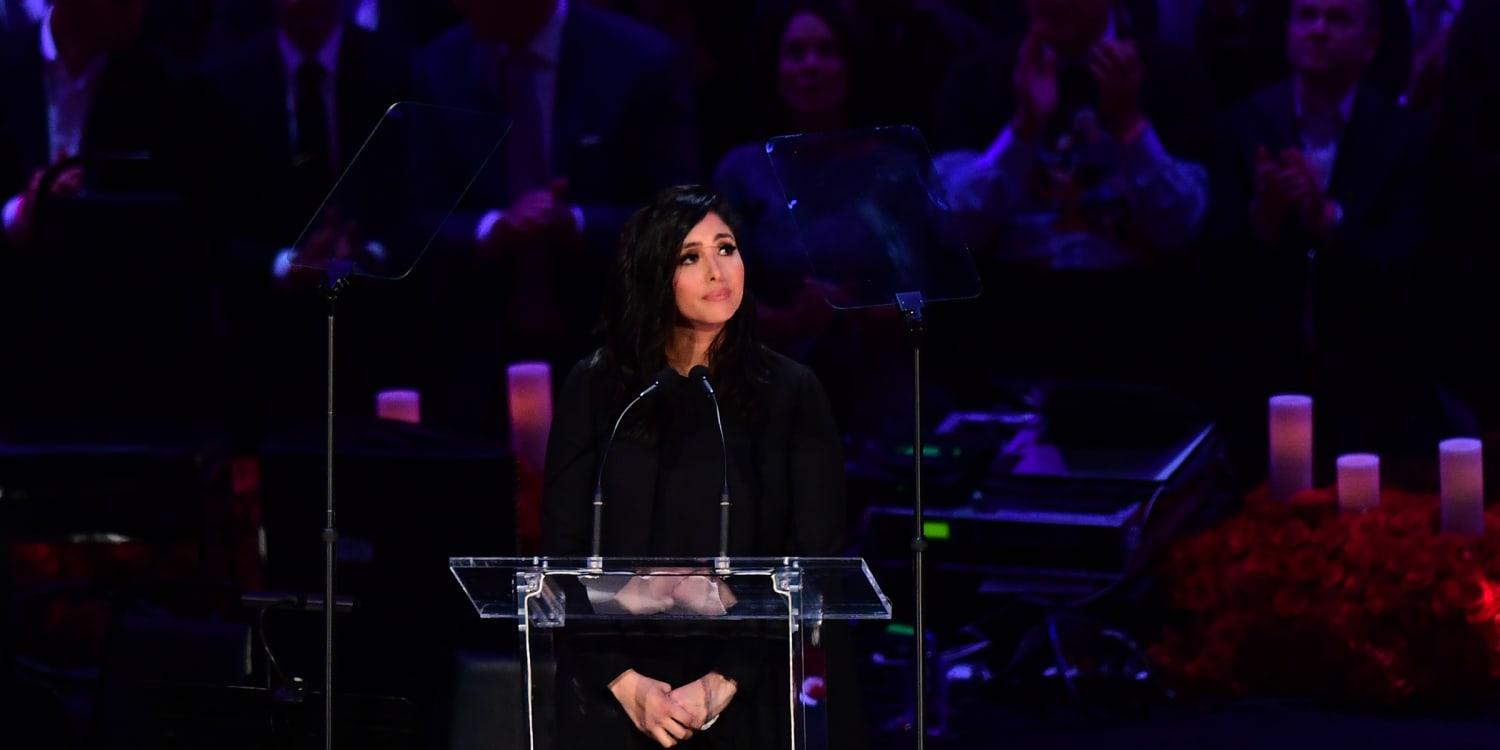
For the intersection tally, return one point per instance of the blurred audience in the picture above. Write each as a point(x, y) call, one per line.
point(919, 40)
point(1074, 137)
point(601, 116)
point(1320, 214)
point(1075, 186)
point(82, 80)
point(198, 29)
point(1244, 45)
point(716, 44)
point(89, 107)
point(812, 77)
point(290, 108)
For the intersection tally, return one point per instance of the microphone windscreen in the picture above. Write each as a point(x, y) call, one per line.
point(699, 375)
point(667, 379)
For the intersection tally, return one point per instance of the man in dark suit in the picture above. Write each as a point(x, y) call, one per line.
point(292, 108)
point(602, 117)
point(80, 271)
point(1318, 221)
point(1244, 46)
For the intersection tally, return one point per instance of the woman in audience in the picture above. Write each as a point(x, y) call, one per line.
point(811, 82)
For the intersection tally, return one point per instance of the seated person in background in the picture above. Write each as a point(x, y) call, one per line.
point(1072, 189)
point(289, 109)
point(1316, 237)
point(1243, 44)
point(811, 80)
point(676, 301)
point(601, 116)
point(918, 43)
point(105, 314)
point(82, 81)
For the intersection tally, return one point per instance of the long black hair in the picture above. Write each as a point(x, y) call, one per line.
point(640, 311)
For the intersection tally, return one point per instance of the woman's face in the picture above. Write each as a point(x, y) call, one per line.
point(813, 75)
point(710, 279)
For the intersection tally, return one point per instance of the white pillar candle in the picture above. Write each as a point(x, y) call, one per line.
point(530, 388)
point(401, 406)
point(1359, 482)
point(1461, 466)
point(1291, 445)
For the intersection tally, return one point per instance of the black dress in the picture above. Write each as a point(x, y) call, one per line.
point(661, 500)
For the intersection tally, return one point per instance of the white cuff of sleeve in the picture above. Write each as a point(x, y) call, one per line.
point(486, 225)
point(12, 214)
point(282, 266)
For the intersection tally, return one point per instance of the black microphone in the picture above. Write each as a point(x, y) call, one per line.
point(662, 381)
point(700, 374)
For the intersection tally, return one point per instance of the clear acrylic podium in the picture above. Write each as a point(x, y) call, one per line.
point(780, 602)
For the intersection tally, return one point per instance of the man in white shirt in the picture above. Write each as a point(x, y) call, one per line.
point(73, 43)
point(290, 108)
point(1320, 212)
point(84, 83)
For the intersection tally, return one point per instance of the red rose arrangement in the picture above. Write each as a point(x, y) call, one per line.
point(1294, 598)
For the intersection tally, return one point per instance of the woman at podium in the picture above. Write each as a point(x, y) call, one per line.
point(725, 413)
